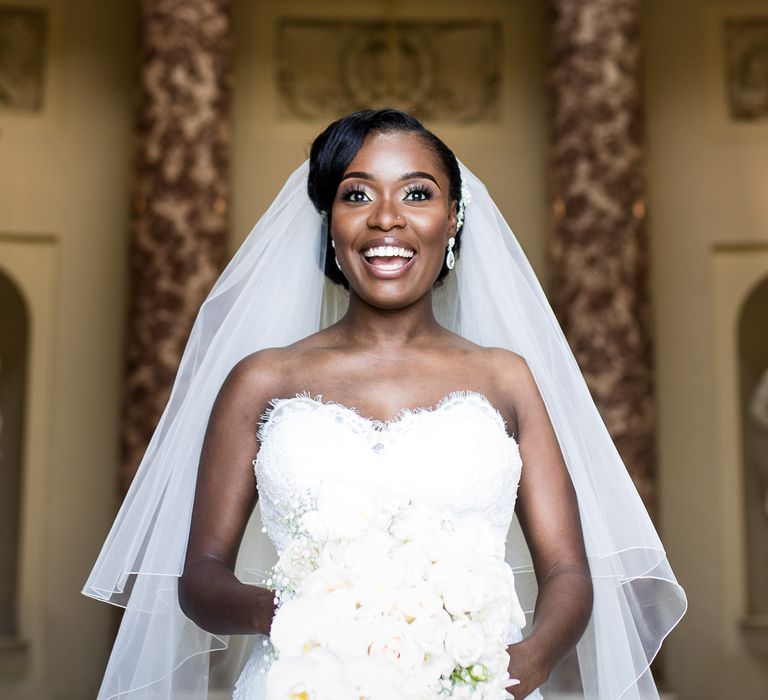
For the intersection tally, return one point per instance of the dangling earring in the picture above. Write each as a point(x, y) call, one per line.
point(333, 245)
point(450, 258)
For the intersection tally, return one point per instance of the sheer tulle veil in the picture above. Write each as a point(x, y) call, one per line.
point(274, 292)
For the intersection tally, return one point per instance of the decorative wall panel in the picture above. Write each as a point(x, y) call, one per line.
point(746, 50)
point(447, 71)
point(22, 57)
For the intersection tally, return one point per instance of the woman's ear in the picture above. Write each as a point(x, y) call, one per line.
point(452, 220)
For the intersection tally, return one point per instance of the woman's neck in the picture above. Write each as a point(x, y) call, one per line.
point(369, 327)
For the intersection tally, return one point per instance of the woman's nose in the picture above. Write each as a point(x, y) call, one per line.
point(385, 216)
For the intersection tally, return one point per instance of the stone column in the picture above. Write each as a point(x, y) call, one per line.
point(598, 250)
point(181, 196)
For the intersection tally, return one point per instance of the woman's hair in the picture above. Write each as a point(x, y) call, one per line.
point(334, 149)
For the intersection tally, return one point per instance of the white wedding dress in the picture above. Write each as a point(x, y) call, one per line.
point(456, 454)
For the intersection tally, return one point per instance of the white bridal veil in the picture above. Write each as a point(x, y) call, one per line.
point(274, 292)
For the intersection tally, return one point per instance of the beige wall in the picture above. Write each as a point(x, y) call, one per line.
point(64, 172)
point(708, 180)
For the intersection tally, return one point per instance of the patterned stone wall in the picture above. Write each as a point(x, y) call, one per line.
point(598, 247)
point(181, 198)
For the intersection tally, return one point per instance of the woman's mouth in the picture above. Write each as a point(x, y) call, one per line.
point(388, 261)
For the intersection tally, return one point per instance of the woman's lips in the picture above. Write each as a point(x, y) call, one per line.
point(388, 267)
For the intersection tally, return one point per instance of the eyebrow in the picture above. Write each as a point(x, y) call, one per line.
point(407, 176)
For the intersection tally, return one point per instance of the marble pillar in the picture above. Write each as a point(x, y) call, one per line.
point(180, 204)
point(598, 247)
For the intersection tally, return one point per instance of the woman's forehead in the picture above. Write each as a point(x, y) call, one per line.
point(390, 155)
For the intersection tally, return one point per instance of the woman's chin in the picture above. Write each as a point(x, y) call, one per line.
point(392, 294)
point(395, 287)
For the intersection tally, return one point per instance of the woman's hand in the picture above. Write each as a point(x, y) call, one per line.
point(525, 666)
point(263, 610)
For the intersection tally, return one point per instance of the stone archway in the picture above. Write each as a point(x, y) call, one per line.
point(14, 350)
point(752, 342)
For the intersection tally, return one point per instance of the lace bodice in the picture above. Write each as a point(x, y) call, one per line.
point(456, 454)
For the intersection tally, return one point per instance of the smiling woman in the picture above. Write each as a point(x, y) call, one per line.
point(450, 520)
point(380, 208)
point(338, 174)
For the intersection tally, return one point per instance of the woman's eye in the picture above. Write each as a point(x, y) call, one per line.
point(417, 194)
point(355, 195)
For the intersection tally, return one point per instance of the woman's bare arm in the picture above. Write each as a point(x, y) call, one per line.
point(209, 592)
point(549, 517)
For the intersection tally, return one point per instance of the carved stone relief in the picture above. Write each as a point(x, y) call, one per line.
point(746, 49)
point(22, 57)
point(448, 71)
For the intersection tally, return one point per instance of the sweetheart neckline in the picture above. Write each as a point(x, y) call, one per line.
point(400, 417)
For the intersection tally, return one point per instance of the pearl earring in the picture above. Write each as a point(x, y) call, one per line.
point(333, 245)
point(450, 258)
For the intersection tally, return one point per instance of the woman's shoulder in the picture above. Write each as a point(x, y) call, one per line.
point(500, 362)
point(266, 366)
point(259, 377)
point(269, 372)
point(508, 372)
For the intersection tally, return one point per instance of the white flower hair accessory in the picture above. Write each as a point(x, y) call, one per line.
point(466, 198)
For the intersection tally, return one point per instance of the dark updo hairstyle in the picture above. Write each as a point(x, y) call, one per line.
point(334, 149)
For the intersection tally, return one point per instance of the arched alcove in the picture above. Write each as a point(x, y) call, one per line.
point(14, 348)
point(753, 392)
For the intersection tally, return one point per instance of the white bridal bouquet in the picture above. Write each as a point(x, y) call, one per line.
point(382, 599)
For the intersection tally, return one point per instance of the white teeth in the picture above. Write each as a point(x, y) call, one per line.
point(387, 251)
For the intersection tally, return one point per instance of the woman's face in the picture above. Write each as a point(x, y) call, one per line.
point(391, 220)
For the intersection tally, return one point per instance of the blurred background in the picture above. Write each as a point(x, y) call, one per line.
point(626, 143)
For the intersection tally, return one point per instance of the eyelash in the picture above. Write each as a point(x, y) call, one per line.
point(349, 193)
point(420, 189)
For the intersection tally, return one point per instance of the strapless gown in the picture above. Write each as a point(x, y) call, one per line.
point(457, 455)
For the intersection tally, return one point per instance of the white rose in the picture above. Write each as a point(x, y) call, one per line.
point(317, 674)
point(374, 678)
point(333, 552)
point(347, 637)
point(429, 632)
point(418, 601)
point(417, 521)
point(327, 578)
point(501, 594)
point(414, 560)
point(313, 524)
point(346, 509)
point(424, 684)
point(302, 624)
point(296, 561)
point(461, 590)
point(392, 641)
point(495, 630)
point(427, 681)
point(368, 562)
point(465, 642)
point(297, 626)
point(441, 665)
point(475, 537)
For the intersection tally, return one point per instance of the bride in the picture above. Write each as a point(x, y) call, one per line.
point(427, 366)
